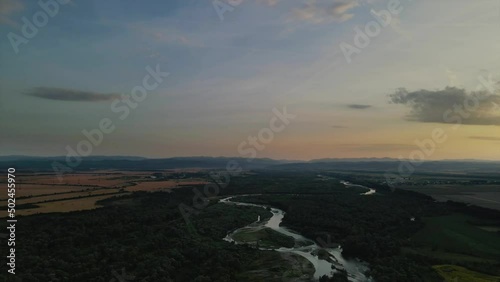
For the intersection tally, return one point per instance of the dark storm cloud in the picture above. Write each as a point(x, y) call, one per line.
point(359, 107)
point(62, 94)
point(450, 105)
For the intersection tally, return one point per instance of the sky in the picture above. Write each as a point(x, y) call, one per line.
point(357, 78)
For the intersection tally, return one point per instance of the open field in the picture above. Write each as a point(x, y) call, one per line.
point(454, 233)
point(104, 177)
point(487, 196)
point(161, 185)
point(55, 197)
point(27, 190)
point(449, 257)
point(80, 191)
point(453, 273)
point(489, 200)
point(98, 178)
point(452, 189)
point(87, 203)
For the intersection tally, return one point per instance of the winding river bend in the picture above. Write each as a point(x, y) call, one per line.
point(371, 191)
point(303, 246)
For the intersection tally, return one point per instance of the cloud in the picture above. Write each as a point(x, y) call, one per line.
point(7, 8)
point(485, 138)
point(62, 94)
point(450, 105)
point(268, 2)
point(315, 13)
point(165, 35)
point(358, 106)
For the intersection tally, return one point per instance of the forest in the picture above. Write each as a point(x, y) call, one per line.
point(146, 236)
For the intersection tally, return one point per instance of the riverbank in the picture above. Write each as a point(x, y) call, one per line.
point(326, 261)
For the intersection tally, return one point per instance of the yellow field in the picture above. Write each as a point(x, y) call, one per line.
point(98, 178)
point(160, 185)
point(64, 206)
point(24, 190)
point(40, 188)
point(95, 179)
point(65, 196)
point(453, 273)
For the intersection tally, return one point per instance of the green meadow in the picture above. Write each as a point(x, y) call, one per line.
point(454, 233)
point(453, 273)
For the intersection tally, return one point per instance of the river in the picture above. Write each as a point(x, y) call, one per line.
point(370, 191)
point(305, 247)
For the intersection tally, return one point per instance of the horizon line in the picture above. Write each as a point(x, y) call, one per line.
point(239, 157)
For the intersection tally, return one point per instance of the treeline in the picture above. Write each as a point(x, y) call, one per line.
point(145, 236)
point(373, 228)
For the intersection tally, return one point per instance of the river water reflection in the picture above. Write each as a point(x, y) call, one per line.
point(303, 246)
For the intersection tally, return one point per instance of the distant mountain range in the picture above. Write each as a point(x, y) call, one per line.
point(394, 165)
point(349, 164)
point(133, 163)
point(14, 158)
